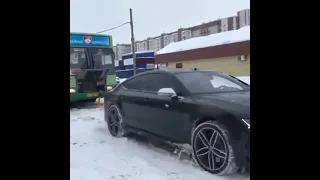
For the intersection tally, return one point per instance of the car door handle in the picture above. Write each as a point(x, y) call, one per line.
point(146, 99)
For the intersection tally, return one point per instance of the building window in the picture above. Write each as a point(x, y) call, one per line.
point(174, 37)
point(144, 46)
point(185, 34)
point(158, 44)
point(178, 65)
point(204, 32)
point(165, 41)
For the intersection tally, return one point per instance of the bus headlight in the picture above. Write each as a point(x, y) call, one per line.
point(72, 91)
point(109, 88)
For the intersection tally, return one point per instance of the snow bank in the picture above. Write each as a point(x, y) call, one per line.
point(228, 37)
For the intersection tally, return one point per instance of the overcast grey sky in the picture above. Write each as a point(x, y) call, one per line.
point(151, 17)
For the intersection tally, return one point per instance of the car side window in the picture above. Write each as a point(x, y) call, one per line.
point(137, 83)
point(154, 82)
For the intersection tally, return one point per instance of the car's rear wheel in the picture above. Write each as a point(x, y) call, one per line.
point(115, 121)
point(212, 150)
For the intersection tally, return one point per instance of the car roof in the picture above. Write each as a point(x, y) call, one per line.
point(171, 71)
point(175, 70)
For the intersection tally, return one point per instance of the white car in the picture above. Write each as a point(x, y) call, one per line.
point(120, 80)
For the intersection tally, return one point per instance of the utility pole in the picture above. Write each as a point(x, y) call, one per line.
point(132, 44)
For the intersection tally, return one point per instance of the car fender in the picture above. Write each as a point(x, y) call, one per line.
point(234, 124)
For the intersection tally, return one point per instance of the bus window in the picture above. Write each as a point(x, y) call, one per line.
point(74, 58)
point(97, 58)
point(103, 58)
point(78, 58)
point(107, 60)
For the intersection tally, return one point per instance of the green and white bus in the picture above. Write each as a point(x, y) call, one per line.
point(92, 69)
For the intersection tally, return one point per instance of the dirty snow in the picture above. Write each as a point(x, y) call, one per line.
point(227, 37)
point(96, 155)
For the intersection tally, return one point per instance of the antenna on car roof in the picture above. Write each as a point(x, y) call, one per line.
point(195, 69)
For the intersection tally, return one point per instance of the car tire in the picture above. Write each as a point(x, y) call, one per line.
point(114, 121)
point(210, 140)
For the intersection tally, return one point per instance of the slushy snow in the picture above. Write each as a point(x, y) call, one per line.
point(96, 155)
point(228, 37)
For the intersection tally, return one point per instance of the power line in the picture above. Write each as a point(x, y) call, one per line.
point(132, 39)
point(113, 27)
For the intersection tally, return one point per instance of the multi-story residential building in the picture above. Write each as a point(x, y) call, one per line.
point(142, 45)
point(120, 49)
point(244, 17)
point(166, 39)
point(206, 29)
point(221, 25)
point(185, 34)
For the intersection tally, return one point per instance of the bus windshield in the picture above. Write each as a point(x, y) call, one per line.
point(78, 58)
point(101, 57)
point(91, 58)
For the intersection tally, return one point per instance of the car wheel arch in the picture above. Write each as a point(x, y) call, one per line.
point(225, 118)
point(201, 120)
point(113, 100)
point(108, 104)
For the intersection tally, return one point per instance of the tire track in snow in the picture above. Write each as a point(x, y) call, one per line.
point(95, 155)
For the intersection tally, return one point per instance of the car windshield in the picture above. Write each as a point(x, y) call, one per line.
point(210, 82)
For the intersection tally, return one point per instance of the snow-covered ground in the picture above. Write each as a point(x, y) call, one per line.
point(96, 155)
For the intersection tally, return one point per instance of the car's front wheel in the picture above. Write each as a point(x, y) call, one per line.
point(114, 121)
point(212, 150)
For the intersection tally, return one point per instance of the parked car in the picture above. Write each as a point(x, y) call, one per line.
point(120, 80)
point(207, 109)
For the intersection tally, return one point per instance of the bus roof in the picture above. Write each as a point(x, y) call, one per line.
point(90, 40)
point(92, 34)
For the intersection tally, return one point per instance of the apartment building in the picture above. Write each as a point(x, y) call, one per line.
point(121, 49)
point(244, 17)
point(221, 25)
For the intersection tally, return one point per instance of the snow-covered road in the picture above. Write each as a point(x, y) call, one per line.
point(96, 155)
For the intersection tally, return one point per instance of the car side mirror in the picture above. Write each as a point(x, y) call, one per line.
point(168, 92)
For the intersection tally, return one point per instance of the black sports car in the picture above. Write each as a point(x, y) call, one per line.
point(208, 110)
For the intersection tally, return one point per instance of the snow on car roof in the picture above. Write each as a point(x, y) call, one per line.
point(228, 37)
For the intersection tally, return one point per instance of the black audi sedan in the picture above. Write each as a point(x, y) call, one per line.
point(208, 110)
